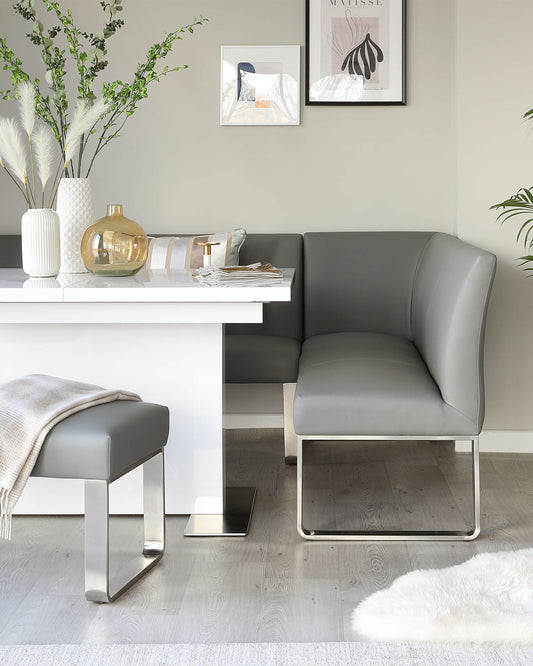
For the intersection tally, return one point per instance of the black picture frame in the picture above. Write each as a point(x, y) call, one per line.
point(355, 52)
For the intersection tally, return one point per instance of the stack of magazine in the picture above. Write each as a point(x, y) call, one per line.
point(260, 273)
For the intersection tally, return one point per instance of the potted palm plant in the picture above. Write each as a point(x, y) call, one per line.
point(520, 206)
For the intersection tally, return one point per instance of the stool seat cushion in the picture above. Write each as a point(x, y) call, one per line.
point(104, 441)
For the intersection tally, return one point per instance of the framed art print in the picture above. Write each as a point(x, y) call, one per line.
point(260, 85)
point(355, 52)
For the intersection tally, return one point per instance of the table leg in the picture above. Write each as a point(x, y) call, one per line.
point(238, 503)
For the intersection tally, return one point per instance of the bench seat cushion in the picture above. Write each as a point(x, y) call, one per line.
point(261, 358)
point(104, 441)
point(370, 384)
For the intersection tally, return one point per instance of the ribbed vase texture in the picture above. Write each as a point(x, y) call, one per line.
point(75, 210)
point(41, 255)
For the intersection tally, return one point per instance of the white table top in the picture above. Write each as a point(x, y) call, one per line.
point(144, 287)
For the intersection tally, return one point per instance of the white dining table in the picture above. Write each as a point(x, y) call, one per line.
point(159, 334)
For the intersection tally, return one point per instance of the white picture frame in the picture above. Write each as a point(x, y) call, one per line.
point(260, 85)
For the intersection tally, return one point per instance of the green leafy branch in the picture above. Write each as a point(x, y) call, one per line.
point(88, 52)
point(123, 98)
point(18, 76)
point(89, 57)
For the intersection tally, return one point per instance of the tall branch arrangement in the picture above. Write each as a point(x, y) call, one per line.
point(40, 141)
point(109, 112)
point(520, 205)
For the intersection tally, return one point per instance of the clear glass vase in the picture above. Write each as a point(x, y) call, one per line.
point(114, 245)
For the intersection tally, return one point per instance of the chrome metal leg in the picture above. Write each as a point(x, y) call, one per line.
point(98, 586)
point(392, 535)
point(97, 540)
point(476, 500)
point(154, 505)
point(290, 436)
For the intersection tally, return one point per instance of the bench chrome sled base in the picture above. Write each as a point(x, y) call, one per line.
point(392, 535)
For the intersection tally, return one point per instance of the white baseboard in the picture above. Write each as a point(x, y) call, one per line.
point(502, 441)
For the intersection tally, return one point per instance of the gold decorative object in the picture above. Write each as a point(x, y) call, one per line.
point(114, 245)
point(207, 250)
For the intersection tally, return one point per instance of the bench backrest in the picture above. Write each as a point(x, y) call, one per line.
point(283, 250)
point(360, 281)
point(10, 251)
point(450, 298)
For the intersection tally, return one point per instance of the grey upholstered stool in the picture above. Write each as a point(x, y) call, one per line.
point(101, 444)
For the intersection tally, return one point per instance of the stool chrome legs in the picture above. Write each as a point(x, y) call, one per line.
point(98, 587)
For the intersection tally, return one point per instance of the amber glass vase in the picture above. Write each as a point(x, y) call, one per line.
point(114, 245)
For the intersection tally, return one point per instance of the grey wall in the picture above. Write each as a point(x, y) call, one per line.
point(176, 168)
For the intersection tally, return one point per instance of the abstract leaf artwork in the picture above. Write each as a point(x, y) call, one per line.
point(363, 58)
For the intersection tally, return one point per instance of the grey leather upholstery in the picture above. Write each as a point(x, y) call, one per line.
point(261, 358)
point(360, 281)
point(450, 299)
point(103, 442)
point(269, 352)
point(370, 384)
point(394, 327)
point(10, 251)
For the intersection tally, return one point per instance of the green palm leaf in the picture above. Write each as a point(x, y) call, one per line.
point(520, 204)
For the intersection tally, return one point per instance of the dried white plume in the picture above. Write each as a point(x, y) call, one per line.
point(83, 120)
point(12, 149)
point(43, 146)
point(27, 98)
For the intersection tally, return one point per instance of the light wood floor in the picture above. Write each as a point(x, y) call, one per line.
point(271, 585)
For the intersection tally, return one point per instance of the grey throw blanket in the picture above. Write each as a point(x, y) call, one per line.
point(30, 407)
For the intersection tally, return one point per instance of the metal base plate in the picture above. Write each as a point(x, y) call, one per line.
point(235, 521)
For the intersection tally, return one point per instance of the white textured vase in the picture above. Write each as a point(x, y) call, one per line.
point(75, 210)
point(40, 242)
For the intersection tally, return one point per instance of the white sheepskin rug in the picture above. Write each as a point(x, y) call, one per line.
point(488, 599)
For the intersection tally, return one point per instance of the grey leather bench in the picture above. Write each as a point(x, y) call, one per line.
point(393, 348)
point(269, 352)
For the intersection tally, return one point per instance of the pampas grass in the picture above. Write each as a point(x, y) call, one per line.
point(83, 121)
point(43, 142)
point(27, 99)
point(12, 151)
